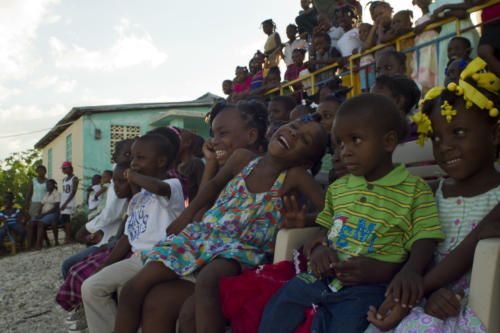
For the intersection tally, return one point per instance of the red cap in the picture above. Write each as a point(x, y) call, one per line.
point(66, 164)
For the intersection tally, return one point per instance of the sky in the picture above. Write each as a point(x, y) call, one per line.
point(57, 54)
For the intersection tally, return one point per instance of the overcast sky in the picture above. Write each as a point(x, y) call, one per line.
point(56, 54)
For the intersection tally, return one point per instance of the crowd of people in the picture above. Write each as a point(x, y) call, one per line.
point(176, 242)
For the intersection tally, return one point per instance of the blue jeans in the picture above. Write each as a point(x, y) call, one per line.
point(343, 311)
point(12, 227)
point(48, 219)
point(70, 261)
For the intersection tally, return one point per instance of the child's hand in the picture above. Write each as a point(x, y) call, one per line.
point(362, 270)
point(383, 321)
point(309, 246)
point(322, 260)
point(292, 216)
point(419, 29)
point(209, 151)
point(406, 288)
point(178, 225)
point(444, 303)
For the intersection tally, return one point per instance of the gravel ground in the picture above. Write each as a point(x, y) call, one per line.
point(29, 282)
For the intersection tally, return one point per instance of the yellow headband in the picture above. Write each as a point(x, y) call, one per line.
point(471, 95)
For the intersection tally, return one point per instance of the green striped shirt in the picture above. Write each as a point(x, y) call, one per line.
point(379, 219)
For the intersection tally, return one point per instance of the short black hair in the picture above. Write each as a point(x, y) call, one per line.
point(375, 4)
point(96, 176)
point(173, 137)
point(385, 113)
point(108, 172)
point(120, 144)
point(464, 40)
point(162, 145)
point(53, 182)
point(41, 166)
point(399, 56)
point(286, 101)
point(400, 85)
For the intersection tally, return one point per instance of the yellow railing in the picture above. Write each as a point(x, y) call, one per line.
point(396, 42)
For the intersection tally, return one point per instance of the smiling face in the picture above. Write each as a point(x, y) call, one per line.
point(344, 20)
point(146, 159)
point(297, 142)
point(230, 133)
point(458, 49)
point(298, 58)
point(465, 146)
point(322, 44)
point(327, 110)
point(364, 31)
point(291, 32)
point(362, 148)
point(120, 184)
point(382, 15)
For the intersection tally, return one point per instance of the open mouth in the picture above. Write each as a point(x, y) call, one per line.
point(283, 142)
point(450, 163)
point(220, 154)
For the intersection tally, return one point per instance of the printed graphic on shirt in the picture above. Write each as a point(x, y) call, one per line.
point(352, 239)
point(138, 219)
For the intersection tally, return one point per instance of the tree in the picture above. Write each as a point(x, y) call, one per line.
point(16, 172)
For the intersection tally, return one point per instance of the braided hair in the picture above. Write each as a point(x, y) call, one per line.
point(400, 85)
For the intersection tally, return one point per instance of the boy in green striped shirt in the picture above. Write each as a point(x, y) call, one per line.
point(375, 219)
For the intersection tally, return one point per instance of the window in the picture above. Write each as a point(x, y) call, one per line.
point(49, 163)
point(69, 148)
point(122, 132)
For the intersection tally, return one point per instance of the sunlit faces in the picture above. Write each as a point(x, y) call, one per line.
point(230, 133)
point(298, 141)
point(466, 145)
point(145, 158)
point(327, 110)
point(362, 145)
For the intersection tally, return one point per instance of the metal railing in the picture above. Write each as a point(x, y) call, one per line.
point(397, 43)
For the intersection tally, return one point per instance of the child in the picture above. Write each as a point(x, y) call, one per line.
point(381, 13)
point(150, 212)
point(424, 70)
point(69, 188)
point(347, 19)
point(190, 166)
point(323, 56)
point(379, 211)
point(459, 48)
point(367, 73)
point(453, 69)
point(239, 230)
point(292, 44)
point(467, 200)
point(69, 296)
point(48, 213)
point(401, 25)
point(91, 192)
point(11, 219)
point(307, 20)
point(227, 88)
point(272, 46)
point(100, 195)
point(242, 81)
point(391, 62)
point(325, 25)
point(293, 70)
point(279, 108)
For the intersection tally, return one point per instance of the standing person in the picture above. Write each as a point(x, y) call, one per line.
point(36, 191)
point(48, 213)
point(292, 44)
point(69, 188)
point(11, 219)
point(307, 19)
point(272, 47)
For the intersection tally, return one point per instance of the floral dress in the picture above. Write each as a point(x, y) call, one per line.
point(241, 225)
point(458, 216)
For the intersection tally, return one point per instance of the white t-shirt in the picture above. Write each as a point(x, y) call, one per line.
point(110, 218)
point(93, 203)
point(296, 44)
point(149, 215)
point(335, 33)
point(348, 42)
point(67, 188)
point(50, 200)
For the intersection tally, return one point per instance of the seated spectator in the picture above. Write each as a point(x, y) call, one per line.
point(227, 88)
point(49, 213)
point(323, 56)
point(256, 73)
point(279, 108)
point(12, 219)
point(292, 44)
point(242, 81)
point(391, 62)
point(272, 47)
point(293, 70)
point(453, 69)
point(459, 48)
point(92, 200)
point(307, 20)
point(190, 166)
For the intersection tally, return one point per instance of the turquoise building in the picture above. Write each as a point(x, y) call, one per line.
point(86, 135)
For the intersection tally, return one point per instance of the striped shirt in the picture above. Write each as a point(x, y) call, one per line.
point(380, 219)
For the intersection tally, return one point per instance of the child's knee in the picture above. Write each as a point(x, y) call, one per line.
point(187, 317)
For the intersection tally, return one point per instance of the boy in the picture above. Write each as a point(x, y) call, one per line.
point(150, 212)
point(292, 44)
point(324, 54)
point(378, 213)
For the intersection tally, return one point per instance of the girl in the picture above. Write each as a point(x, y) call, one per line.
point(49, 212)
point(272, 47)
point(69, 187)
point(381, 13)
point(242, 80)
point(458, 119)
point(293, 70)
point(279, 108)
point(347, 20)
point(238, 231)
point(424, 71)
